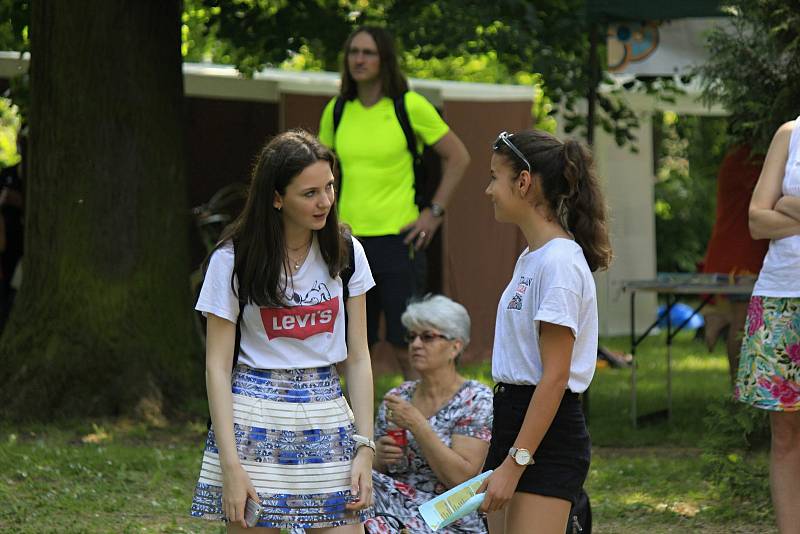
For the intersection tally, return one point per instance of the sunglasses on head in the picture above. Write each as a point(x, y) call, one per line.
point(505, 138)
point(426, 337)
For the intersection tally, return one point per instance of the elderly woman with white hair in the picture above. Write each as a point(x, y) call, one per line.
point(445, 419)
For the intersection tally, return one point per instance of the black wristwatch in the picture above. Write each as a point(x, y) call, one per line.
point(437, 210)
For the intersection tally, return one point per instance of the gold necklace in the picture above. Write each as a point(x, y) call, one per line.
point(304, 245)
point(297, 263)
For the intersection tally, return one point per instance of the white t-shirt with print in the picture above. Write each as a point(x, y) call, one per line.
point(552, 284)
point(309, 332)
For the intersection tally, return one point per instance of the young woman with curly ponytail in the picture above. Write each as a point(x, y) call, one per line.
point(545, 343)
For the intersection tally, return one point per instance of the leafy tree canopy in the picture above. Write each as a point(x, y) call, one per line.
point(754, 69)
point(544, 43)
point(689, 150)
point(14, 20)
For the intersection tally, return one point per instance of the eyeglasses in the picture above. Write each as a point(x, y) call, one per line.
point(505, 138)
point(368, 53)
point(426, 337)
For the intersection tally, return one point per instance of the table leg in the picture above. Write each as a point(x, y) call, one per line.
point(634, 361)
point(669, 354)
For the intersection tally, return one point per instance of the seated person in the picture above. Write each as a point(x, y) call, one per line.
point(447, 418)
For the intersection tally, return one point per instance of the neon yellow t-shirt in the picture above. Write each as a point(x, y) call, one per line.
point(377, 193)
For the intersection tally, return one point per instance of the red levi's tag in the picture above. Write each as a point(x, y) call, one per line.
point(300, 322)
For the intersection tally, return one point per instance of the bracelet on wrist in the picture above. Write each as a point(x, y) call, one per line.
point(363, 441)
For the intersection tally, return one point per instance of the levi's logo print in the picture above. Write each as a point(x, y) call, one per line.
point(315, 314)
point(516, 301)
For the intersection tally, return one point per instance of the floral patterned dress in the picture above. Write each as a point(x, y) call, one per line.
point(468, 413)
point(769, 368)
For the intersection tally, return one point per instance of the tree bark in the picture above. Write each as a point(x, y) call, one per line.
point(102, 323)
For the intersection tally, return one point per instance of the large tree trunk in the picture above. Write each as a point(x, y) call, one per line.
point(102, 322)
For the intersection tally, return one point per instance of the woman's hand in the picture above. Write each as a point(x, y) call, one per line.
point(361, 479)
point(236, 487)
point(403, 413)
point(387, 452)
point(500, 486)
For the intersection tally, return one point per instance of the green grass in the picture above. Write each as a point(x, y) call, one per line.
point(134, 480)
point(698, 378)
point(118, 476)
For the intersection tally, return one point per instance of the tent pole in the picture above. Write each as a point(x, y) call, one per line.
point(591, 97)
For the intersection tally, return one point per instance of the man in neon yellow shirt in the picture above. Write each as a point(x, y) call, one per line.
point(376, 196)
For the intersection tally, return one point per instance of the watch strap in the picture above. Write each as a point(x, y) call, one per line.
point(363, 441)
point(513, 453)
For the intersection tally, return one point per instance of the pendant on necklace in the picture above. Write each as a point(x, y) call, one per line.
point(296, 266)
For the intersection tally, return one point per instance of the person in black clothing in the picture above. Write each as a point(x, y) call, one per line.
point(11, 234)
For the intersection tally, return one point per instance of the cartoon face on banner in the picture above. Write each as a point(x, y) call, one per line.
point(629, 42)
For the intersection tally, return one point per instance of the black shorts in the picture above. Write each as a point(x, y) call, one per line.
point(562, 458)
point(393, 264)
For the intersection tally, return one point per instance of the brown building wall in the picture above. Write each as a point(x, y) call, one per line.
point(223, 138)
point(479, 253)
point(302, 111)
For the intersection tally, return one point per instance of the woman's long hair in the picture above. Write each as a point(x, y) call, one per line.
point(570, 187)
point(393, 81)
point(257, 233)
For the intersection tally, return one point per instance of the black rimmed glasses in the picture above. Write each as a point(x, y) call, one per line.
point(505, 138)
point(426, 337)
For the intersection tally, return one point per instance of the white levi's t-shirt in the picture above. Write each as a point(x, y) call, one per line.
point(309, 332)
point(551, 284)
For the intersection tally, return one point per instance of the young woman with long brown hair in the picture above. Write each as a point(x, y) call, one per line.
point(282, 434)
point(545, 344)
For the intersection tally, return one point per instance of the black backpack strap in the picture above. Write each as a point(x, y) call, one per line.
point(242, 303)
point(338, 109)
point(347, 272)
point(411, 144)
point(405, 123)
point(346, 275)
point(237, 344)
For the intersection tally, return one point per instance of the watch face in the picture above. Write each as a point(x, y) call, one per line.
point(522, 457)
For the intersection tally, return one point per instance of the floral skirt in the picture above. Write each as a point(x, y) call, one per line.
point(293, 431)
point(769, 365)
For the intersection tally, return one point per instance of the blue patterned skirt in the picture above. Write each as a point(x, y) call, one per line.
point(293, 433)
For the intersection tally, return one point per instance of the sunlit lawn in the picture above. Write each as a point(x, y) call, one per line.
point(117, 476)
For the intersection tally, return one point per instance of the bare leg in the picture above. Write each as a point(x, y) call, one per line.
point(715, 321)
point(529, 513)
point(784, 470)
point(497, 522)
point(735, 332)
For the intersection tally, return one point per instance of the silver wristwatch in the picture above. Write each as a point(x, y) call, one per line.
point(437, 210)
point(363, 441)
point(521, 456)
